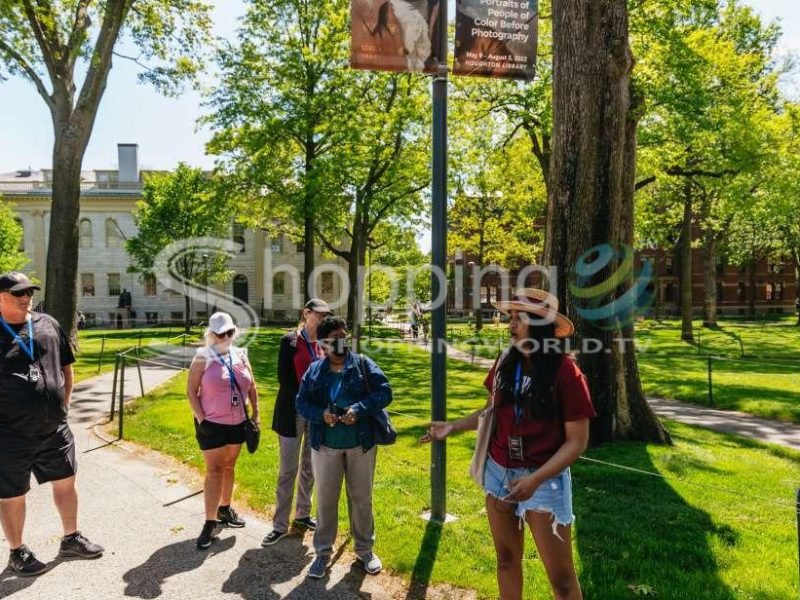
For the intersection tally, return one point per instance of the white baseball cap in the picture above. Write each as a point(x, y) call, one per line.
point(220, 322)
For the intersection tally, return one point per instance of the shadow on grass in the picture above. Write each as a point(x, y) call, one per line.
point(636, 535)
point(426, 558)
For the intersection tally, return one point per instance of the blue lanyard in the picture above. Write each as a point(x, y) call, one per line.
point(28, 349)
point(229, 367)
point(518, 393)
point(309, 345)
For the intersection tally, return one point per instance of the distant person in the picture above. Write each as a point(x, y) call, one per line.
point(298, 350)
point(221, 380)
point(542, 410)
point(339, 406)
point(35, 389)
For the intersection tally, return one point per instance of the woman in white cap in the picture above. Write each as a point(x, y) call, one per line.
point(541, 409)
point(220, 382)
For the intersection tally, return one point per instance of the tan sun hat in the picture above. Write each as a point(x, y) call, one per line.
point(540, 303)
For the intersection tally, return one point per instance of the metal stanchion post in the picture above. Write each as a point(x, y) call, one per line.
point(121, 394)
point(139, 369)
point(114, 387)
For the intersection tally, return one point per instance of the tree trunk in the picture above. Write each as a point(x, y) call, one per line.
point(709, 278)
point(356, 291)
point(187, 313)
point(591, 189)
point(479, 307)
point(685, 259)
point(308, 218)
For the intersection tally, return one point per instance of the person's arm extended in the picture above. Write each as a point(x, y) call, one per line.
point(69, 378)
point(193, 388)
point(438, 430)
point(577, 438)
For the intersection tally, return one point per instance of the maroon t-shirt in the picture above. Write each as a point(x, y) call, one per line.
point(541, 438)
point(306, 353)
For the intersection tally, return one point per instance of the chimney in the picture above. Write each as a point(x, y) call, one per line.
point(128, 163)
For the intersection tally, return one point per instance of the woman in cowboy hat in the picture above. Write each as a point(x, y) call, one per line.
point(541, 408)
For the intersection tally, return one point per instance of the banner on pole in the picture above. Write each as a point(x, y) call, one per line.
point(496, 38)
point(394, 35)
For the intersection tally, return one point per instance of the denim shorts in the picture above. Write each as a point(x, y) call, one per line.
point(554, 496)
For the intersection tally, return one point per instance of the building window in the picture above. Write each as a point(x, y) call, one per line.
point(176, 316)
point(150, 286)
point(91, 319)
point(151, 317)
point(740, 291)
point(778, 291)
point(114, 284)
point(277, 244)
point(669, 292)
point(768, 292)
point(87, 284)
point(113, 234)
point(279, 284)
point(327, 283)
point(300, 247)
point(720, 295)
point(86, 233)
point(742, 269)
point(238, 235)
point(21, 247)
point(668, 265)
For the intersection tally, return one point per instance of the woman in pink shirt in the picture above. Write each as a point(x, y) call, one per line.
point(220, 382)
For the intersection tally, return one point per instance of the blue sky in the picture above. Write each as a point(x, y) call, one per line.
point(165, 128)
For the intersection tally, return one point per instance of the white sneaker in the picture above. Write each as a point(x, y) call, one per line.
point(318, 567)
point(372, 564)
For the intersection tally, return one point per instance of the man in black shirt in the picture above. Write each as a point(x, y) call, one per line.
point(35, 387)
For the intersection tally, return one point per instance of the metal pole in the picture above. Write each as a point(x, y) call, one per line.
point(710, 385)
point(102, 351)
point(438, 254)
point(139, 368)
point(121, 394)
point(114, 387)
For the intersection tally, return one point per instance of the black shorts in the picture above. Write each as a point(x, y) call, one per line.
point(216, 435)
point(49, 457)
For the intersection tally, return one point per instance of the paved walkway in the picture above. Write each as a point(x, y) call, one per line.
point(724, 421)
point(125, 496)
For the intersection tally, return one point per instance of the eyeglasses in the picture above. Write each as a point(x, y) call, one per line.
point(225, 334)
point(20, 293)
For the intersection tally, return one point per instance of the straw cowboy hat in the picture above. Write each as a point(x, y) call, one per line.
point(540, 303)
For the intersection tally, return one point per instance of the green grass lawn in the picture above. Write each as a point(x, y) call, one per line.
point(755, 369)
point(94, 342)
point(678, 536)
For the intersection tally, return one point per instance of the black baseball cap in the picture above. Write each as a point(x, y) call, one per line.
point(319, 305)
point(16, 282)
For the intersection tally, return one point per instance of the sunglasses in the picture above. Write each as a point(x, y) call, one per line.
point(20, 293)
point(225, 334)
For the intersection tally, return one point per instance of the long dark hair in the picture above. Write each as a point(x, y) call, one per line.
point(538, 400)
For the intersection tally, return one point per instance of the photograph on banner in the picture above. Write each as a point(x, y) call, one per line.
point(496, 38)
point(394, 35)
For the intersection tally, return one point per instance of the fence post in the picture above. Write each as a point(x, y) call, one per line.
point(121, 394)
point(114, 387)
point(139, 368)
point(102, 351)
point(710, 384)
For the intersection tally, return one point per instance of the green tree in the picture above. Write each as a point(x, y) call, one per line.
point(49, 44)
point(12, 257)
point(277, 112)
point(177, 206)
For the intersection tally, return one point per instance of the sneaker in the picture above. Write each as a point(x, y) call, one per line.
point(23, 563)
point(318, 567)
point(273, 537)
point(77, 546)
point(372, 564)
point(227, 517)
point(306, 523)
point(210, 530)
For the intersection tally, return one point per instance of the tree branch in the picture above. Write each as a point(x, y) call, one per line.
point(29, 72)
point(325, 242)
point(644, 182)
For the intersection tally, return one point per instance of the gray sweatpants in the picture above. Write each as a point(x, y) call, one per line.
point(358, 470)
point(295, 454)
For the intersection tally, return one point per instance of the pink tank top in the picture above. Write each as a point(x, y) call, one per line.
point(215, 386)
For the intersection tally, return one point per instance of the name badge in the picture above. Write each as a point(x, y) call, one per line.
point(515, 449)
point(235, 400)
point(34, 374)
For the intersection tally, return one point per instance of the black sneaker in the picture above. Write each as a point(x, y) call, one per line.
point(227, 517)
point(23, 563)
point(210, 530)
point(77, 546)
point(273, 537)
point(306, 523)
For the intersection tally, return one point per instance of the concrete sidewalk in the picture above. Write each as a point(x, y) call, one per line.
point(724, 421)
point(125, 496)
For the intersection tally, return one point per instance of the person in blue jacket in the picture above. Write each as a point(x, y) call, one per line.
point(339, 397)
